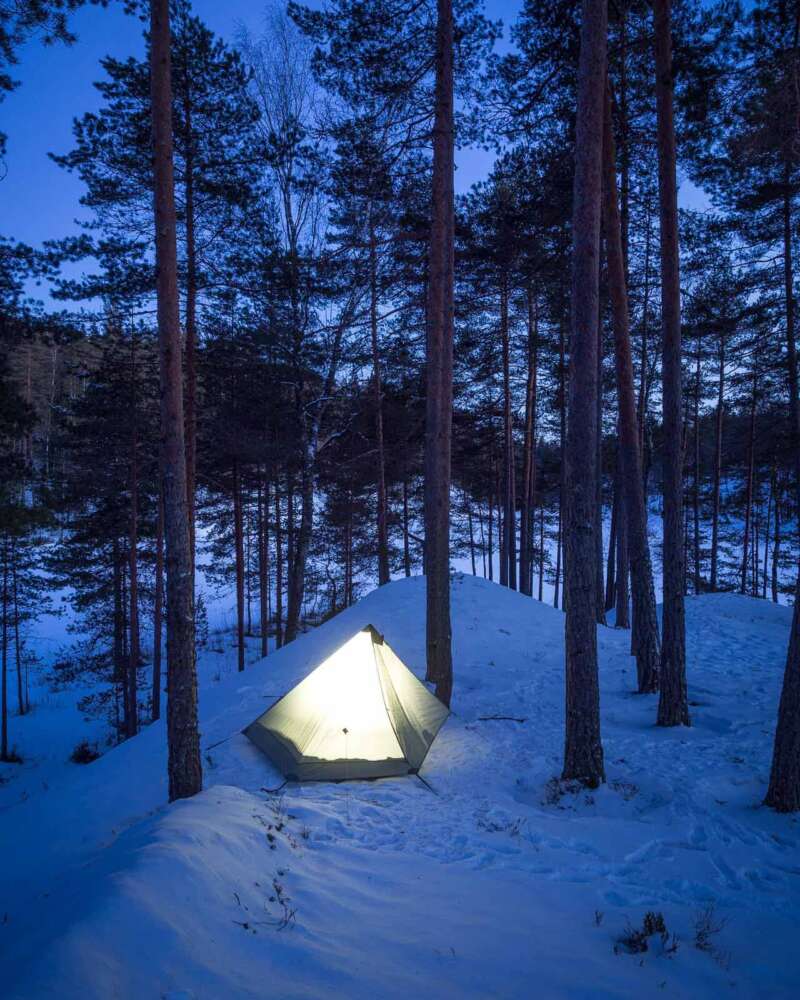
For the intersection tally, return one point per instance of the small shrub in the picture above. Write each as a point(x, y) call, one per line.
point(84, 753)
point(635, 940)
point(706, 927)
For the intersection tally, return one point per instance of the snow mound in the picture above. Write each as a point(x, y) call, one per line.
point(473, 889)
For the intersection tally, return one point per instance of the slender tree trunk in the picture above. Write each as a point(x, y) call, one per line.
point(783, 793)
point(278, 570)
point(583, 749)
point(645, 630)
point(527, 512)
point(377, 394)
point(4, 655)
point(21, 703)
point(776, 548)
point(158, 604)
point(600, 604)
point(238, 540)
point(184, 765)
point(717, 488)
point(406, 545)
point(562, 444)
point(748, 502)
point(696, 486)
point(611, 562)
point(673, 706)
point(471, 536)
point(541, 553)
point(622, 618)
point(119, 664)
point(190, 403)
point(491, 517)
point(440, 369)
point(263, 567)
point(508, 572)
point(133, 592)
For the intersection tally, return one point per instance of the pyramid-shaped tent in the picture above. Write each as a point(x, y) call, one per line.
point(360, 714)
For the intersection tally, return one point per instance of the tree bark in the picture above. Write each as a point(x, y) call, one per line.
point(190, 403)
point(238, 544)
point(263, 567)
point(583, 749)
point(4, 657)
point(184, 765)
point(278, 570)
point(673, 706)
point(528, 507)
point(717, 489)
point(377, 395)
point(645, 622)
point(133, 591)
point(439, 369)
point(783, 793)
point(508, 571)
point(748, 502)
point(21, 700)
point(158, 603)
point(696, 484)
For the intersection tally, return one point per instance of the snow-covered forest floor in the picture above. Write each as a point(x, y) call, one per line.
point(493, 884)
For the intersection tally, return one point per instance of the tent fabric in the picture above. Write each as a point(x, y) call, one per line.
point(360, 714)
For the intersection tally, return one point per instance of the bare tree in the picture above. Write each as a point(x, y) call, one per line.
point(439, 370)
point(583, 749)
point(645, 622)
point(673, 705)
point(183, 738)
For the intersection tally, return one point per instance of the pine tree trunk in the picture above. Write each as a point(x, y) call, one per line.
point(158, 604)
point(133, 591)
point(238, 542)
point(21, 703)
point(645, 622)
point(598, 506)
point(541, 554)
point(120, 667)
point(439, 371)
point(278, 570)
point(184, 765)
point(406, 545)
point(748, 502)
point(562, 444)
point(377, 395)
point(4, 657)
point(715, 500)
point(673, 706)
point(783, 793)
point(528, 508)
point(622, 617)
point(776, 548)
point(263, 567)
point(302, 541)
point(190, 403)
point(471, 536)
point(508, 572)
point(583, 749)
point(696, 485)
point(611, 561)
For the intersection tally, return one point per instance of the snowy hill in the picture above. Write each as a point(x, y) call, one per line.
point(492, 885)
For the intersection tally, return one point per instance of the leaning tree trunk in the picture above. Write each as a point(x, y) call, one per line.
point(183, 738)
point(583, 749)
point(439, 369)
point(673, 706)
point(645, 622)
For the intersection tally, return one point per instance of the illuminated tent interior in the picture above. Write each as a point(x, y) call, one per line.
point(360, 714)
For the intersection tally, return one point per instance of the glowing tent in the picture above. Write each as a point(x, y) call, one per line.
point(360, 714)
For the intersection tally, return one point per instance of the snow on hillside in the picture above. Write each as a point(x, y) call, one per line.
point(490, 885)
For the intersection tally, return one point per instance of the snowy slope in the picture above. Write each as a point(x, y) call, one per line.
point(489, 887)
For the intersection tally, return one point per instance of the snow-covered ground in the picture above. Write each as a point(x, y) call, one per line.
point(489, 885)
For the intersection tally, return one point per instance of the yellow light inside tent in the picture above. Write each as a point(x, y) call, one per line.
point(344, 693)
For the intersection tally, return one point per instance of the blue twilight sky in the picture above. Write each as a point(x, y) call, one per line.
point(39, 200)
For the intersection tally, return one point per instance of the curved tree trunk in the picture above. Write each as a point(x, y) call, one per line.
point(645, 622)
